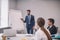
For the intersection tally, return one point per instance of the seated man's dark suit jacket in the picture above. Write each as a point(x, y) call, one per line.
point(53, 29)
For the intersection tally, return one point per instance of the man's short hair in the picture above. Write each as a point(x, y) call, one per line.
point(51, 20)
point(29, 10)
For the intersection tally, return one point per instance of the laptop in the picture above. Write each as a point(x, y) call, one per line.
point(10, 32)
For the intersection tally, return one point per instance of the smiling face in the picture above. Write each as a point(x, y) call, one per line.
point(49, 23)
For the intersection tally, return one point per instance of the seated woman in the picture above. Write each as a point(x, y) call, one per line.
point(42, 33)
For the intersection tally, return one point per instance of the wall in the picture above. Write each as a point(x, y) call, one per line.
point(12, 4)
point(45, 9)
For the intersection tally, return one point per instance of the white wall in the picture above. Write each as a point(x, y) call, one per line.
point(12, 4)
point(45, 9)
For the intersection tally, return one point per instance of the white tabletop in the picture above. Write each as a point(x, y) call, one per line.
point(20, 37)
point(23, 36)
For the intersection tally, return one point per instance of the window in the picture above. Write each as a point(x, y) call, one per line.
point(4, 13)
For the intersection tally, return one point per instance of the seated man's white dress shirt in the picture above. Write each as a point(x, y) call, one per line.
point(40, 35)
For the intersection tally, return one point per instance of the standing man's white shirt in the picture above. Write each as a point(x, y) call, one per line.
point(40, 35)
point(29, 17)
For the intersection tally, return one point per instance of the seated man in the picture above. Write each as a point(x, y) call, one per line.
point(51, 27)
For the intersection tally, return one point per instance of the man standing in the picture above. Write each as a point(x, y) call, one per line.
point(30, 22)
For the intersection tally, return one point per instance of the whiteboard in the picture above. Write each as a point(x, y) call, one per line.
point(15, 19)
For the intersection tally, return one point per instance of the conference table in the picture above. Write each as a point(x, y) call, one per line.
point(26, 37)
point(20, 37)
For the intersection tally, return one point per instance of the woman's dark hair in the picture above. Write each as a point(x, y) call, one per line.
point(41, 22)
point(51, 20)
